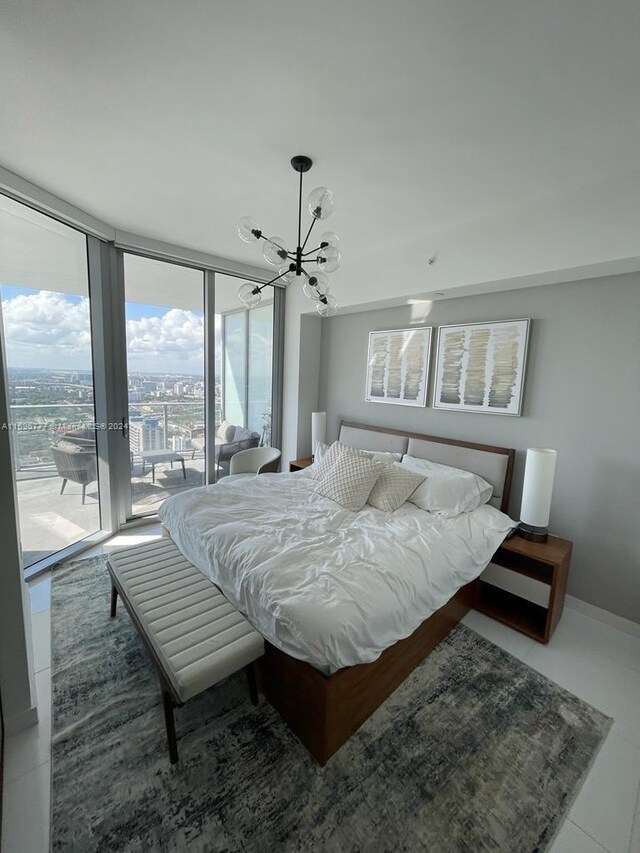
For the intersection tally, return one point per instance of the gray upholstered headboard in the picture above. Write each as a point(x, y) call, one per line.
point(494, 464)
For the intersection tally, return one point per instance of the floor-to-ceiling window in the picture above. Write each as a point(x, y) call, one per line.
point(259, 365)
point(245, 366)
point(176, 359)
point(164, 307)
point(47, 334)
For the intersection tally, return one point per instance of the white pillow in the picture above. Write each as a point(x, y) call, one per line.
point(330, 457)
point(321, 452)
point(318, 456)
point(393, 487)
point(382, 456)
point(449, 491)
point(350, 480)
point(226, 431)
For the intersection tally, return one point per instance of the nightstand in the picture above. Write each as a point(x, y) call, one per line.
point(299, 464)
point(524, 585)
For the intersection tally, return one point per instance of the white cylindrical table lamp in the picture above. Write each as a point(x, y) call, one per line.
point(318, 430)
point(537, 489)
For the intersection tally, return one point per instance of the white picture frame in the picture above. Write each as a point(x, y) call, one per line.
point(480, 367)
point(398, 366)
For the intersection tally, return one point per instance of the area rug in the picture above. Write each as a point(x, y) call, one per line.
point(474, 752)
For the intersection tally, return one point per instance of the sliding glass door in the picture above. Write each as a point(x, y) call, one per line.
point(199, 377)
point(47, 332)
point(165, 340)
point(244, 366)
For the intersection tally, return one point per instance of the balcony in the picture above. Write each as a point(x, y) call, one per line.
point(50, 521)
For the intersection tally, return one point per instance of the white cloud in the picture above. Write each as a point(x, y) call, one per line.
point(177, 335)
point(50, 329)
point(49, 322)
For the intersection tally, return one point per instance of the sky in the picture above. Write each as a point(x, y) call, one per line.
point(50, 329)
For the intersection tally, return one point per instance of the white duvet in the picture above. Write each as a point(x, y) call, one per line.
point(326, 585)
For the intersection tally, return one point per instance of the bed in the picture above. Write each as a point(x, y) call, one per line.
point(349, 603)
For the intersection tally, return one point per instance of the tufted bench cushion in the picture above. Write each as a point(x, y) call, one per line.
point(194, 635)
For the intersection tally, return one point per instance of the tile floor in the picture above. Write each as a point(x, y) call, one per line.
point(597, 663)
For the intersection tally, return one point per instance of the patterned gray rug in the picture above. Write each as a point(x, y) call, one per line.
point(474, 752)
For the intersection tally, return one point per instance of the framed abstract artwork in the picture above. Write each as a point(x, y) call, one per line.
point(480, 367)
point(398, 366)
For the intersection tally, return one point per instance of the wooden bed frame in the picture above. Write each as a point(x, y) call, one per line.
point(324, 711)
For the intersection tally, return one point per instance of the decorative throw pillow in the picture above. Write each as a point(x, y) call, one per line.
point(241, 434)
point(226, 431)
point(350, 480)
point(331, 457)
point(449, 491)
point(321, 452)
point(393, 487)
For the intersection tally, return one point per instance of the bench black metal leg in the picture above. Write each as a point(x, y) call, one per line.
point(114, 600)
point(253, 684)
point(169, 721)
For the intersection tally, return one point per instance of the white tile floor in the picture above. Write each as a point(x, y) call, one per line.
point(592, 660)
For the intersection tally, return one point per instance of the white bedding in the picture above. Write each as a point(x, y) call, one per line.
point(325, 585)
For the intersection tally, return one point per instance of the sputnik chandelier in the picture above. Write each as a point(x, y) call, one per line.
point(324, 257)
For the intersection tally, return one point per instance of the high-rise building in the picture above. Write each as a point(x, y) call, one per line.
point(179, 442)
point(145, 434)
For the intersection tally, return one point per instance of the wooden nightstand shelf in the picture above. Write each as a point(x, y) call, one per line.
point(525, 584)
point(299, 464)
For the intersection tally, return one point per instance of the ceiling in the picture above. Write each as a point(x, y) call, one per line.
point(172, 120)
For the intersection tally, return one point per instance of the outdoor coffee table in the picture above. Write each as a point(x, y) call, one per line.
point(155, 457)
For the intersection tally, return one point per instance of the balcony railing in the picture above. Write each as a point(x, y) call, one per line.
point(32, 439)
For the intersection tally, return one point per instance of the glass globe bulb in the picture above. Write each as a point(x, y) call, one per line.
point(320, 202)
point(249, 294)
point(275, 251)
point(288, 274)
point(328, 259)
point(310, 292)
point(330, 238)
point(327, 308)
point(246, 227)
point(317, 284)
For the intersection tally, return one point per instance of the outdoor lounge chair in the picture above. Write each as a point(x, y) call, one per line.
point(75, 462)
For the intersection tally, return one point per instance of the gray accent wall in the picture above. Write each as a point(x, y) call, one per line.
point(581, 397)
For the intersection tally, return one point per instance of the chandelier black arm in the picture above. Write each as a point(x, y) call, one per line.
point(313, 222)
point(261, 287)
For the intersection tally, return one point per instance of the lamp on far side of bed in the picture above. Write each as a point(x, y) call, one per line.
point(537, 490)
point(318, 430)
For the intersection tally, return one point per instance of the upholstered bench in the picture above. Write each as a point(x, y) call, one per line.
point(194, 636)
